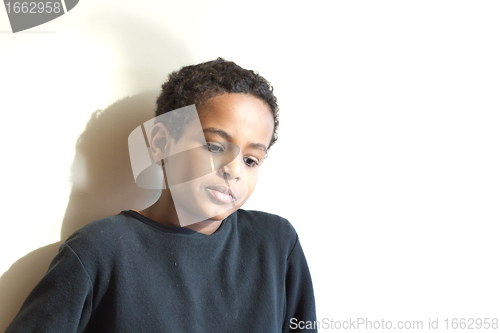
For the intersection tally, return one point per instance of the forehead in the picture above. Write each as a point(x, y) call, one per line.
point(243, 116)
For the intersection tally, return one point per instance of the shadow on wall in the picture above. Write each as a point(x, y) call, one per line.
point(102, 185)
point(101, 174)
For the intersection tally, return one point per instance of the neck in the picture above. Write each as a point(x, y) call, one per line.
point(163, 211)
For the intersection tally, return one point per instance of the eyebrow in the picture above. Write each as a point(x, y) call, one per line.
point(227, 137)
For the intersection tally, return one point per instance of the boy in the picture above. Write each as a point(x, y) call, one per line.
point(193, 261)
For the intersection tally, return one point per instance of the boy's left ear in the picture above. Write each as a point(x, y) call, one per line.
point(160, 139)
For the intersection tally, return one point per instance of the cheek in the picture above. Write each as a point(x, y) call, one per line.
point(188, 165)
point(252, 178)
point(250, 183)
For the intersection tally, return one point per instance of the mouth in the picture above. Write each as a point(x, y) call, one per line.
point(221, 193)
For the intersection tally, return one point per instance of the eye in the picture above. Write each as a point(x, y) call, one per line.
point(250, 161)
point(214, 147)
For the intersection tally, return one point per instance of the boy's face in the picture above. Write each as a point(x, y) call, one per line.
point(237, 129)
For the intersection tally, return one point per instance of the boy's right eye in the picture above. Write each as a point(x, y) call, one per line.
point(215, 147)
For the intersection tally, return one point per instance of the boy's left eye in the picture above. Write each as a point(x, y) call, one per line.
point(250, 161)
point(217, 148)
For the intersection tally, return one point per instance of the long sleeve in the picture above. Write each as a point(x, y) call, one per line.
point(61, 301)
point(300, 306)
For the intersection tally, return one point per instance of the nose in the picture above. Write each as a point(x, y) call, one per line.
point(232, 170)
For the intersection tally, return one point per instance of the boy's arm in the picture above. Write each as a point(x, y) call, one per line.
point(61, 301)
point(300, 306)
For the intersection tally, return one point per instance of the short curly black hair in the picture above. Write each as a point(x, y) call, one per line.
point(196, 84)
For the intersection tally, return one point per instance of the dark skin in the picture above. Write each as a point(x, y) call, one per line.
point(241, 119)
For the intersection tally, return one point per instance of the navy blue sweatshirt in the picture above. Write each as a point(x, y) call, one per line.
point(127, 273)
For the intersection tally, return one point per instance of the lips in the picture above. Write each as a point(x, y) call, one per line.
point(221, 193)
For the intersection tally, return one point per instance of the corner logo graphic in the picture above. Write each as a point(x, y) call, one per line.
point(28, 14)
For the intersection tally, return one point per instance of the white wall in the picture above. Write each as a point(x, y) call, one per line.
point(387, 162)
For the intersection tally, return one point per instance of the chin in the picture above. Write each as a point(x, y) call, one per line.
point(205, 211)
point(221, 215)
point(224, 215)
point(201, 206)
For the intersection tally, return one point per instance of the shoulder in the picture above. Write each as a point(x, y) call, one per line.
point(104, 235)
point(271, 229)
point(268, 221)
point(102, 228)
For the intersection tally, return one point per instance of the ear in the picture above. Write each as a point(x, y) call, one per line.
point(160, 139)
